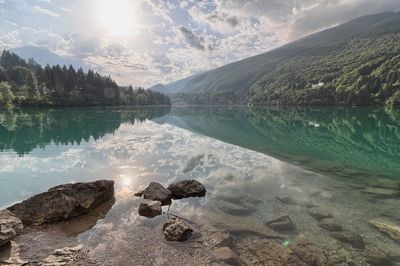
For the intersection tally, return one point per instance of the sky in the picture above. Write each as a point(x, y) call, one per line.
point(144, 42)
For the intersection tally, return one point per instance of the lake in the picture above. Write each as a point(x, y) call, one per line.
point(257, 164)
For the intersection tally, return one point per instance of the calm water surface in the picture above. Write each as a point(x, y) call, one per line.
point(346, 161)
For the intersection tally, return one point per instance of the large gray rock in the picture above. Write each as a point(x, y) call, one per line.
point(349, 237)
point(177, 229)
point(319, 213)
point(155, 191)
point(63, 202)
point(10, 226)
point(282, 223)
point(186, 189)
point(390, 228)
point(150, 208)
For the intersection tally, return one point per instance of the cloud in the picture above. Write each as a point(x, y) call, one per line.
point(45, 11)
point(192, 39)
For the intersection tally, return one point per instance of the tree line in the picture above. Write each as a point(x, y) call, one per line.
point(26, 83)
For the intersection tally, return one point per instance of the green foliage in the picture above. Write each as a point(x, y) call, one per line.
point(394, 100)
point(61, 86)
point(6, 95)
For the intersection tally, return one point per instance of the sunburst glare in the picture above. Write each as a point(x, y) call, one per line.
point(117, 17)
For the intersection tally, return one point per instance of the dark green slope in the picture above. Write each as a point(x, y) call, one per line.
point(355, 63)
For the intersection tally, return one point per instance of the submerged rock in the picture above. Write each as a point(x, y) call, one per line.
point(233, 209)
point(376, 256)
point(63, 202)
point(139, 193)
point(222, 239)
point(10, 226)
point(379, 192)
point(349, 237)
point(390, 228)
point(187, 188)
point(319, 213)
point(226, 255)
point(150, 208)
point(295, 201)
point(155, 191)
point(282, 223)
point(177, 229)
point(329, 224)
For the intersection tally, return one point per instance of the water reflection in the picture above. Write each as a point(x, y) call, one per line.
point(346, 141)
point(24, 130)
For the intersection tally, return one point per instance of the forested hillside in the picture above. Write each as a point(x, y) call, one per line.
point(26, 83)
point(357, 63)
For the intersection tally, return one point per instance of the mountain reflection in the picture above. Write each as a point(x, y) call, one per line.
point(27, 129)
point(345, 141)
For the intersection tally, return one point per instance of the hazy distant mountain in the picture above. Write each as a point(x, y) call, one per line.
point(355, 63)
point(44, 56)
point(176, 86)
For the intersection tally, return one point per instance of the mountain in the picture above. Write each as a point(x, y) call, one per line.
point(43, 57)
point(356, 63)
point(176, 86)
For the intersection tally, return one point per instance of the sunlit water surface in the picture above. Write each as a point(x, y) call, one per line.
point(346, 161)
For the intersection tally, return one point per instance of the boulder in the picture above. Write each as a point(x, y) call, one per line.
point(388, 227)
point(155, 191)
point(349, 237)
point(177, 229)
point(319, 213)
point(233, 209)
point(226, 255)
point(222, 239)
point(63, 202)
point(10, 226)
point(329, 224)
point(376, 256)
point(186, 189)
point(282, 223)
point(139, 193)
point(150, 208)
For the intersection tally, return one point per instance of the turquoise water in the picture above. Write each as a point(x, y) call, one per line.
point(344, 160)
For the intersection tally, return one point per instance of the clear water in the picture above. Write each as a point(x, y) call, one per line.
point(346, 161)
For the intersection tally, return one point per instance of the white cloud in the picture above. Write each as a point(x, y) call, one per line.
point(45, 11)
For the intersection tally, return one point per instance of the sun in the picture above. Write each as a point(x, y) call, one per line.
point(117, 17)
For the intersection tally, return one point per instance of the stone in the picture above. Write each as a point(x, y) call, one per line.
point(349, 237)
point(150, 208)
point(295, 201)
point(233, 209)
point(225, 254)
point(262, 251)
point(10, 226)
point(388, 227)
point(221, 239)
point(63, 202)
point(376, 256)
point(329, 224)
point(382, 193)
point(177, 229)
point(62, 256)
point(282, 223)
point(139, 193)
point(155, 191)
point(186, 189)
point(319, 213)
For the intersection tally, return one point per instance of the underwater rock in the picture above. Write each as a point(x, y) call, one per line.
point(225, 254)
point(63, 202)
point(319, 213)
point(349, 237)
point(62, 256)
point(10, 226)
point(379, 192)
point(299, 252)
point(221, 239)
point(282, 223)
point(329, 224)
point(232, 208)
point(150, 208)
point(177, 229)
point(294, 201)
point(390, 228)
point(155, 191)
point(186, 189)
point(376, 256)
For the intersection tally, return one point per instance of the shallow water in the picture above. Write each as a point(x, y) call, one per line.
point(346, 161)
